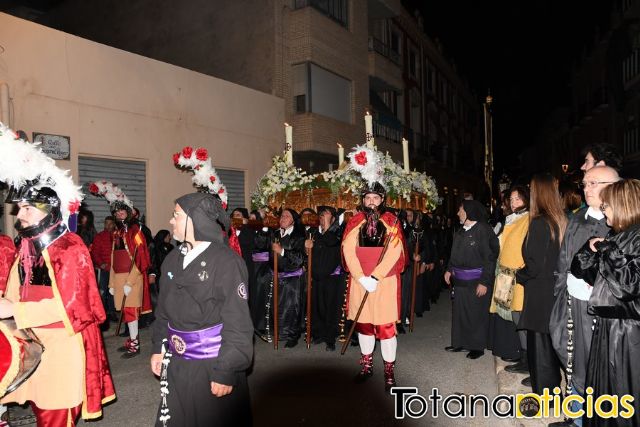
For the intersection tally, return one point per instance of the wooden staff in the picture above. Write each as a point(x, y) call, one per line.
point(275, 298)
point(414, 276)
point(345, 345)
point(309, 261)
point(124, 297)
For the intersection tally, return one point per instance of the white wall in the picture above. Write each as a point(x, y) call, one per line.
point(120, 105)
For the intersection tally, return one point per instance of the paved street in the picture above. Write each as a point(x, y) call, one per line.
point(313, 387)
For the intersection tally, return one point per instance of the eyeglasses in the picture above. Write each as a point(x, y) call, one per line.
point(591, 184)
point(603, 207)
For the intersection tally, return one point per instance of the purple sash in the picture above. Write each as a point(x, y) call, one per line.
point(286, 274)
point(196, 345)
point(337, 271)
point(260, 257)
point(466, 273)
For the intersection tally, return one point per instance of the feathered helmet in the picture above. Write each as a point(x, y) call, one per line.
point(113, 195)
point(33, 177)
point(204, 174)
point(368, 163)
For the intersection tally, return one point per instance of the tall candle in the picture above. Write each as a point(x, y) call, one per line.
point(405, 154)
point(340, 154)
point(368, 127)
point(288, 147)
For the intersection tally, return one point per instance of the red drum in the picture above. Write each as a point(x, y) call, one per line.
point(20, 354)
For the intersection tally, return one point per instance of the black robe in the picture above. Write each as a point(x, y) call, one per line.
point(260, 284)
point(410, 235)
point(291, 290)
point(473, 248)
point(327, 288)
point(579, 230)
point(209, 291)
point(615, 302)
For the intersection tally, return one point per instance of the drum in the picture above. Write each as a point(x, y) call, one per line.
point(20, 354)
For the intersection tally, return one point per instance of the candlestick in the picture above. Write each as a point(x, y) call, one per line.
point(288, 147)
point(405, 154)
point(340, 154)
point(368, 127)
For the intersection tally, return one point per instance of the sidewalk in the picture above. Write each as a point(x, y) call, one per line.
point(509, 384)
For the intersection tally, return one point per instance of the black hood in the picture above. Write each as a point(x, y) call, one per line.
point(207, 215)
point(475, 210)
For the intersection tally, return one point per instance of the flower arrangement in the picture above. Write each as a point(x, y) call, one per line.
point(281, 178)
point(204, 174)
point(366, 164)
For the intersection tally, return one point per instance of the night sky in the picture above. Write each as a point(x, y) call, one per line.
point(522, 50)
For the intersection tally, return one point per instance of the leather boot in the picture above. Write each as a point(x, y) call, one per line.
point(366, 361)
point(389, 377)
point(522, 367)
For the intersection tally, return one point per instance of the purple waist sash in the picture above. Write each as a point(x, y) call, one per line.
point(260, 257)
point(466, 273)
point(196, 345)
point(337, 271)
point(286, 274)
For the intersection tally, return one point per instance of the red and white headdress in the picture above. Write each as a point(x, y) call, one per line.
point(112, 193)
point(204, 174)
point(368, 163)
point(23, 163)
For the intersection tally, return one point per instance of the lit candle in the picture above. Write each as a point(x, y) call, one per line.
point(368, 127)
point(288, 146)
point(340, 154)
point(405, 154)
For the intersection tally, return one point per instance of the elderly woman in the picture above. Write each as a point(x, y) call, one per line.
point(613, 266)
point(471, 271)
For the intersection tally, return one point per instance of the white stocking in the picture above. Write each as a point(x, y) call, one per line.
point(367, 343)
point(133, 329)
point(388, 348)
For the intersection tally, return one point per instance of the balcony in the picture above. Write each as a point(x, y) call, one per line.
point(386, 126)
point(631, 69)
point(383, 49)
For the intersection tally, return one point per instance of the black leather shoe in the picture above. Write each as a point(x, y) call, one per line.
point(454, 349)
point(526, 382)
point(518, 368)
point(474, 354)
point(400, 328)
point(511, 359)
point(291, 343)
point(330, 347)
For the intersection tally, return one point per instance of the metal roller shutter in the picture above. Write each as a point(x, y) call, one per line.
point(129, 175)
point(234, 181)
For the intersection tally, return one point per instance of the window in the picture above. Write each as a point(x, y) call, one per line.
point(234, 181)
point(334, 9)
point(414, 63)
point(322, 92)
point(396, 42)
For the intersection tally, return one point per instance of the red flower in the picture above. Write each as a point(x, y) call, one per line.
point(74, 206)
point(221, 191)
point(93, 188)
point(201, 154)
point(224, 206)
point(361, 158)
point(212, 178)
point(176, 158)
point(186, 152)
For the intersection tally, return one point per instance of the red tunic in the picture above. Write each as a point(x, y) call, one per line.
point(7, 256)
point(135, 239)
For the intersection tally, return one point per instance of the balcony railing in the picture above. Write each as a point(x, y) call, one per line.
point(631, 66)
point(383, 49)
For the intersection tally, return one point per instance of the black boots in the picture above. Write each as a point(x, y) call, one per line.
point(366, 361)
point(522, 367)
point(389, 377)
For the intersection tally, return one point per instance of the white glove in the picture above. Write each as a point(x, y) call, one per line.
point(127, 290)
point(112, 291)
point(369, 283)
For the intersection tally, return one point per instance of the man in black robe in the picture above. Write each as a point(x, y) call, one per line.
point(288, 246)
point(412, 233)
point(572, 292)
point(260, 283)
point(328, 283)
point(471, 272)
point(202, 336)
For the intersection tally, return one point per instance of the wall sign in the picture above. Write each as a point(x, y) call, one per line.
point(57, 147)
